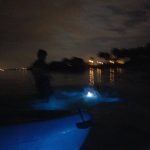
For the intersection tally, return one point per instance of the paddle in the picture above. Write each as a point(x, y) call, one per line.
point(84, 124)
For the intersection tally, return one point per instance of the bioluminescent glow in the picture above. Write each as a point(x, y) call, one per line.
point(55, 134)
point(52, 103)
point(89, 94)
point(62, 100)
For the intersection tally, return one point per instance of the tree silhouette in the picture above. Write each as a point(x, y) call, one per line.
point(104, 55)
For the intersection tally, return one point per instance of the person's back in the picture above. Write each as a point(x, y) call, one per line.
point(40, 72)
point(40, 69)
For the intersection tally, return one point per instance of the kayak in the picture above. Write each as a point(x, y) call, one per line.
point(67, 133)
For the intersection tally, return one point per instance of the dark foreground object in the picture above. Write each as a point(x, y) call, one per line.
point(47, 134)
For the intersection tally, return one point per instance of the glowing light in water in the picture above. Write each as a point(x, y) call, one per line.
point(52, 103)
point(92, 97)
point(63, 100)
point(89, 94)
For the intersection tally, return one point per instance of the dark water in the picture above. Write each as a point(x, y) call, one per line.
point(128, 85)
point(120, 125)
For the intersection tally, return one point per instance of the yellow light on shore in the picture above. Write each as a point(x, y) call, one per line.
point(111, 61)
point(23, 68)
point(121, 62)
point(2, 69)
point(91, 61)
point(99, 62)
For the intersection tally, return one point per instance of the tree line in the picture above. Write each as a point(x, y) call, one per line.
point(139, 56)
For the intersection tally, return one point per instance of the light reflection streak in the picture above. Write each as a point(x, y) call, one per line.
point(99, 75)
point(119, 70)
point(111, 75)
point(91, 76)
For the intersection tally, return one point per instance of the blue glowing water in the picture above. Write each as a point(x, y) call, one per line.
point(58, 134)
point(61, 100)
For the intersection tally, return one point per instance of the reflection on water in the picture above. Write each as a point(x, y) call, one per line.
point(112, 75)
point(99, 76)
point(91, 76)
point(17, 88)
point(64, 100)
point(23, 80)
point(119, 70)
point(24, 84)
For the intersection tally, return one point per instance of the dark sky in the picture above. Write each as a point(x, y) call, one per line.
point(67, 28)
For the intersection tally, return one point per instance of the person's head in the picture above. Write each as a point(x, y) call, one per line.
point(41, 54)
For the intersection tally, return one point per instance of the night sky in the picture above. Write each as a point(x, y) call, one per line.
point(67, 28)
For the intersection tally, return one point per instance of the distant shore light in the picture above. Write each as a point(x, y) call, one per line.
point(24, 68)
point(91, 61)
point(120, 62)
point(2, 69)
point(111, 61)
point(99, 62)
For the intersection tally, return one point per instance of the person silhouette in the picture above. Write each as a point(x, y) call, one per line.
point(41, 75)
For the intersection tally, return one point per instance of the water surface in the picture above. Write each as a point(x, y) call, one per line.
point(120, 125)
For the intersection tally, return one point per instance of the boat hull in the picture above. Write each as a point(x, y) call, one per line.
point(56, 134)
